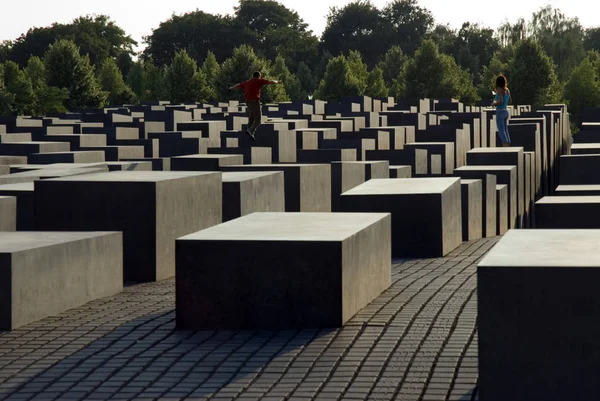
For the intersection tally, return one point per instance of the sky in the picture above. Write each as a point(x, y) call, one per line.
point(138, 17)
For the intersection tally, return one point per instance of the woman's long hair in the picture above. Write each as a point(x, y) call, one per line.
point(501, 82)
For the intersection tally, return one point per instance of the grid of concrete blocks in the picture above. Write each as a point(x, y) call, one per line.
point(298, 229)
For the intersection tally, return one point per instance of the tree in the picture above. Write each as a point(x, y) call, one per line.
point(155, 82)
point(6, 98)
point(356, 26)
point(211, 68)
point(407, 24)
point(533, 75)
point(307, 80)
point(392, 64)
point(591, 39)
point(561, 38)
point(290, 82)
point(376, 86)
point(125, 62)
point(196, 32)
point(5, 47)
point(277, 31)
point(96, 36)
point(47, 99)
point(583, 88)
point(511, 34)
point(66, 68)
point(444, 37)
point(339, 81)
point(111, 81)
point(239, 68)
point(498, 65)
point(18, 83)
point(435, 75)
point(474, 48)
point(358, 70)
point(186, 83)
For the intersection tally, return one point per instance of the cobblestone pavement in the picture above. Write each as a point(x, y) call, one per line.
point(417, 341)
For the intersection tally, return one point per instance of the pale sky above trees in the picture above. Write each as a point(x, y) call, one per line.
point(139, 17)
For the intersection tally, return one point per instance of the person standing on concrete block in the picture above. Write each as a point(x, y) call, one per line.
point(502, 96)
point(252, 89)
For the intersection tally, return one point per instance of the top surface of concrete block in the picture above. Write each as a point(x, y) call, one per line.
point(235, 176)
point(545, 248)
point(207, 156)
point(568, 199)
point(290, 227)
point(24, 186)
point(514, 149)
point(485, 168)
point(403, 186)
point(591, 187)
point(137, 176)
point(11, 242)
point(275, 165)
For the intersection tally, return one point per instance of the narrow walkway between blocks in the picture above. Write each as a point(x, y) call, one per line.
point(416, 342)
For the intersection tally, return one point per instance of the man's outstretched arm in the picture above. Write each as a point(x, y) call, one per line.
point(236, 86)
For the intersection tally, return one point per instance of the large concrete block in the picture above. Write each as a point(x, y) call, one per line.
point(489, 181)
point(151, 208)
point(501, 209)
point(426, 212)
point(445, 151)
point(23, 193)
point(252, 191)
point(504, 175)
point(83, 156)
point(512, 156)
point(400, 171)
point(204, 162)
point(472, 209)
point(577, 190)
point(375, 169)
point(307, 186)
point(344, 177)
point(579, 169)
point(568, 212)
point(8, 213)
point(46, 273)
point(538, 309)
point(282, 271)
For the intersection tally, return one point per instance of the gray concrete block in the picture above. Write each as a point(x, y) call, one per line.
point(307, 186)
point(538, 309)
point(252, 191)
point(8, 213)
point(501, 209)
point(426, 212)
point(211, 162)
point(472, 209)
point(577, 190)
point(24, 195)
point(89, 156)
point(489, 182)
point(444, 152)
point(400, 171)
point(579, 169)
point(512, 156)
point(344, 177)
point(288, 270)
point(151, 208)
point(563, 212)
point(46, 273)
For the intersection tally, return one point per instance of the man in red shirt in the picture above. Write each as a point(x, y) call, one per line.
point(252, 89)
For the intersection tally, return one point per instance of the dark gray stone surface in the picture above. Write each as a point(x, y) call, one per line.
point(400, 171)
point(501, 209)
point(489, 182)
point(25, 206)
point(307, 186)
point(426, 212)
point(472, 209)
point(247, 192)
point(82, 156)
point(46, 273)
point(151, 208)
point(344, 177)
point(211, 162)
point(8, 213)
point(537, 311)
point(563, 212)
point(289, 270)
point(579, 169)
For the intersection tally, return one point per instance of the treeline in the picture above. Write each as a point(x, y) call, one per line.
point(398, 50)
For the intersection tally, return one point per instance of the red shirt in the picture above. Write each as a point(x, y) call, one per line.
point(252, 88)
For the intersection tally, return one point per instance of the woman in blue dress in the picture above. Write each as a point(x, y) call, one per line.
point(501, 102)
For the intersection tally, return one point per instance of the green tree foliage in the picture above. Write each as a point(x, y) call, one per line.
point(356, 26)
point(66, 68)
point(533, 78)
point(436, 75)
point(591, 39)
point(376, 86)
point(339, 81)
point(498, 65)
point(125, 62)
point(307, 80)
point(239, 68)
point(47, 99)
point(474, 48)
point(111, 81)
point(583, 87)
point(19, 84)
point(358, 70)
point(277, 31)
point(291, 83)
point(186, 83)
point(96, 36)
point(6, 98)
point(444, 37)
point(406, 24)
point(392, 63)
point(211, 69)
